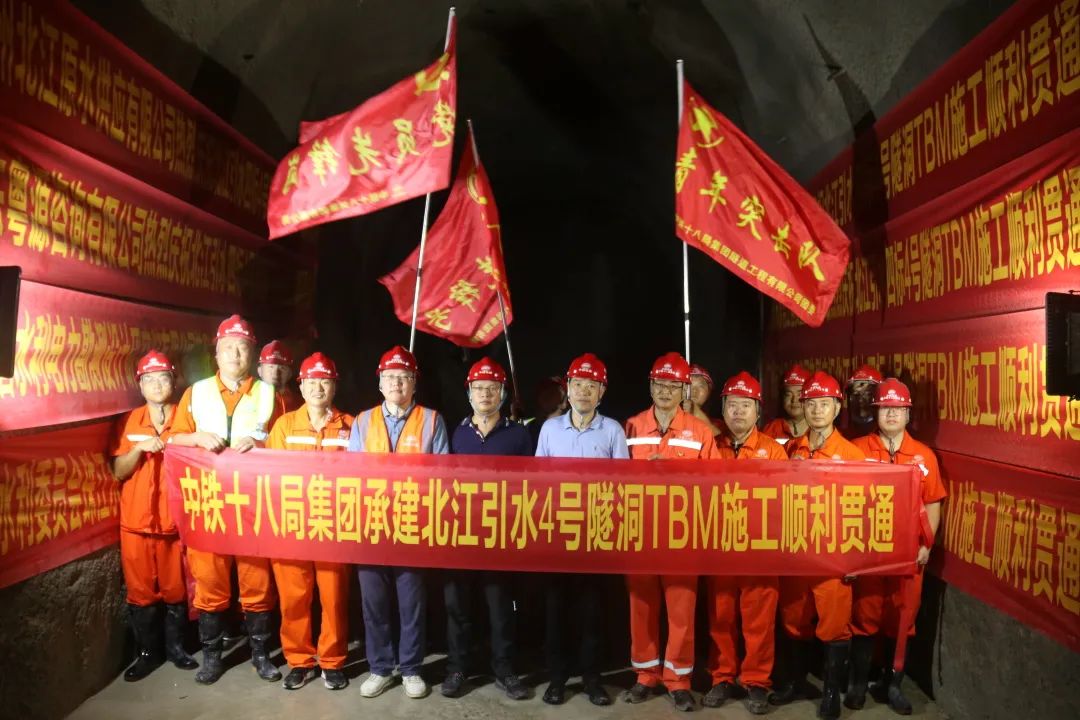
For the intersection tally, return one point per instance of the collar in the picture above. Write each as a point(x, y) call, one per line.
point(141, 415)
point(567, 424)
point(391, 416)
point(303, 422)
point(751, 440)
point(678, 421)
point(244, 388)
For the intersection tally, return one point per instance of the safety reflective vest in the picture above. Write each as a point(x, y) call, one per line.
point(249, 419)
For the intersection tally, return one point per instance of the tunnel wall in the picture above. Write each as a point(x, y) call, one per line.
point(954, 250)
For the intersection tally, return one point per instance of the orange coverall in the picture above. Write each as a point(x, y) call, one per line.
point(686, 437)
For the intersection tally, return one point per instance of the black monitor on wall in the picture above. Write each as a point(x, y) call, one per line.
point(1063, 344)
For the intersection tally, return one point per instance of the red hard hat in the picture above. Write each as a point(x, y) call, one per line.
point(235, 326)
point(486, 369)
point(318, 366)
point(696, 369)
point(865, 372)
point(671, 366)
point(892, 393)
point(397, 358)
point(275, 353)
point(796, 375)
point(821, 385)
point(588, 367)
point(153, 361)
point(742, 385)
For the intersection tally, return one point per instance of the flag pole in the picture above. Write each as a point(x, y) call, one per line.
point(498, 291)
point(424, 226)
point(685, 247)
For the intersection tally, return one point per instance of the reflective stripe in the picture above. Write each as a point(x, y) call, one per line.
point(646, 664)
point(299, 440)
point(678, 442)
point(335, 442)
point(678, 671)
point(138, 438)
point(922, 467)
point(644, 441)
point(782, 441)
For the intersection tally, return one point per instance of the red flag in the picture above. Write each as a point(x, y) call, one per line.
point(395, 146)
point(740, 208)
point(463, 266)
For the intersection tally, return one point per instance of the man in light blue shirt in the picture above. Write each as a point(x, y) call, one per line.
point(580, 433)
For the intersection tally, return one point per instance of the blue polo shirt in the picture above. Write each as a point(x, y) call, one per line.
point(506, 438)
point(604, 438)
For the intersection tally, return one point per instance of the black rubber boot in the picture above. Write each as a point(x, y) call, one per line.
point(897, 701)
point(862, 654)
point(175, 622)
point(795, 686)
point(146, 624)
point(258, 627)
point(836, 657)
point(212, 637)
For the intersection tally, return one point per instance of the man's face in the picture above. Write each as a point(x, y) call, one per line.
point(821, 412)
point(861, 398)
point(666, 395)
point(234, 357)
point(792, 404)
point(318, 392)
point(276, 375)
point(397, 386)
point(485, 396)
point(584, 395)
point(699, 390)
point(740, 414)
point(157, 387)
point(892, 420)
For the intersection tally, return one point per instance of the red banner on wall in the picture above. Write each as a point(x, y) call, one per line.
point(75, 355)
point(540, 514)
point(1012, 539)
point(61, 74)
point(1002, 95)
point(69, 220)
point(58, 500)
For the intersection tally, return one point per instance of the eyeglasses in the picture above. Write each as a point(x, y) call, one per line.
point(399, 379)
point(667, 387)
point(486, 389)
point(160, 381)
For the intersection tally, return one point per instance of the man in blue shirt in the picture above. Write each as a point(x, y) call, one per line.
point(485, 432)
point(398, 425)
point(581, 433)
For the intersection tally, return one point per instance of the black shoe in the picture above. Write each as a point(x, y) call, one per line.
point(298, 678)
point(175, 622)
point(639, 693)
point(596, 693)
point(452, 685)
point(145, 625)
point(334, 679)
point(555, 694)
point(862, 653)
point(717, 694)
point(258, 625)
point(758, 702)
point(897, 701)
point(512, 685)
point(211, 635)
point(684, 701)
point(796, 686)
point(836, 657)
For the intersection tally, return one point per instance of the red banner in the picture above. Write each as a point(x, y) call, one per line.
point(463, 266)
point(996, 244)
point(395, 146)
point(744, 211)
point(1012, 539)
point(979, 387)
point(58, 500)
point(64, 76)
point(67, 219)
point(1001, 96)
point(541, 514)
point(75, 355)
